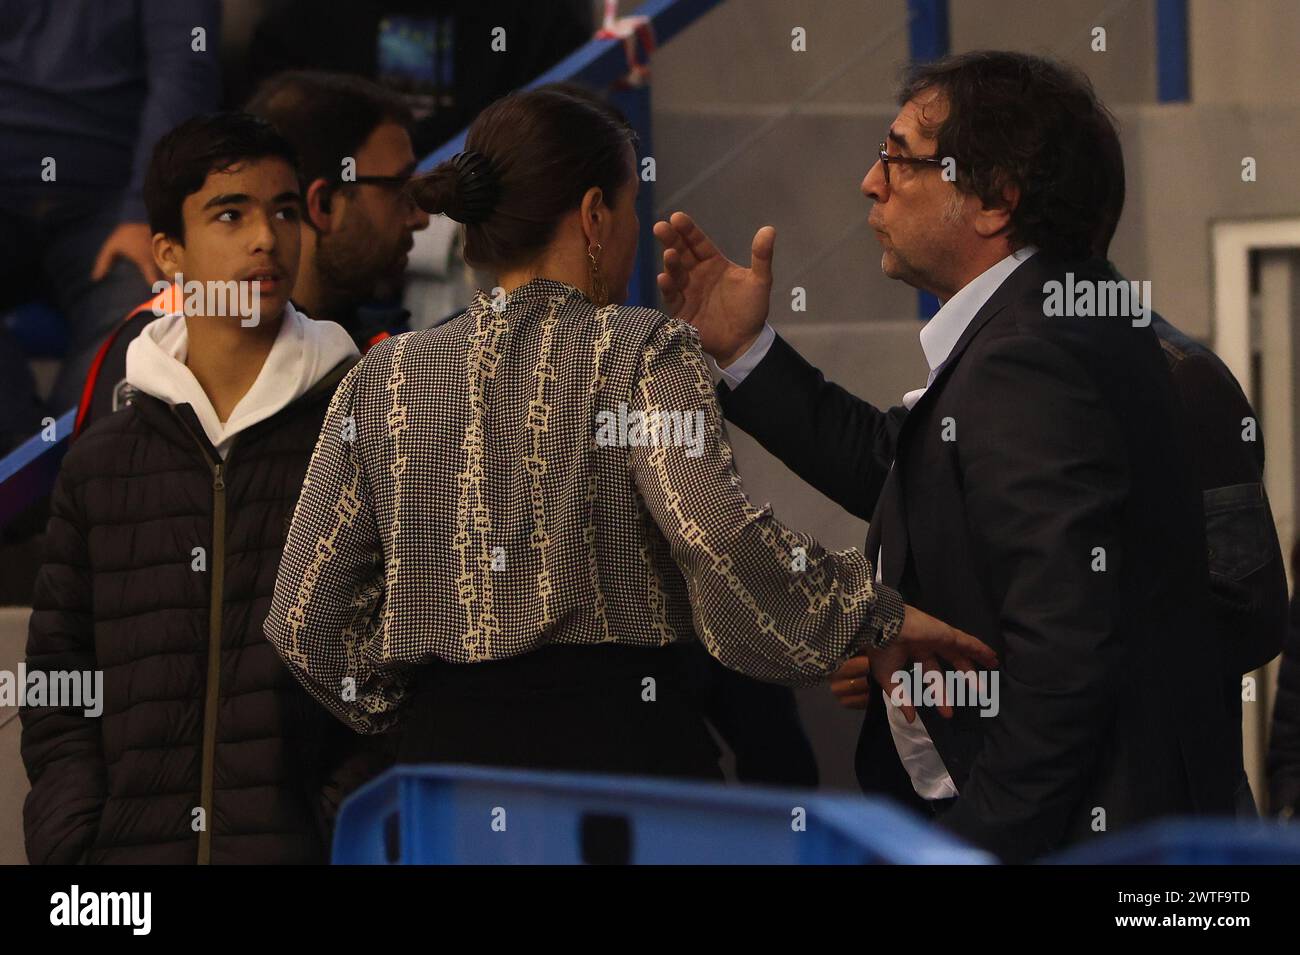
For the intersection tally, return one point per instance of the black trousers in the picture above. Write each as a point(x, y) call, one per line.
point(571, 708)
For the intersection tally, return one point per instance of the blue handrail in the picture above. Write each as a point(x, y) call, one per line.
point(600, 63)
point(27, 473)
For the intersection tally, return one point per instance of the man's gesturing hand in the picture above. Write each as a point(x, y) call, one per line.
point(926, 640)
point(727, 304)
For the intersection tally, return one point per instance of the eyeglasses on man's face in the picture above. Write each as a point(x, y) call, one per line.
point(394, 185)
point(887, 160)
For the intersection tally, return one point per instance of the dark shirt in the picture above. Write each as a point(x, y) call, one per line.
point(94, 85)
point(369, 324)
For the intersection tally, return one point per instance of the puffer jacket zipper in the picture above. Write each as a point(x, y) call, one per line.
point(212, 695)
point(217, 567)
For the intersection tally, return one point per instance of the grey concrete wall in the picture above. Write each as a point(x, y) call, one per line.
point(1125, 72)
point(1184, 171)
point(740, 53)
point(1245, 52)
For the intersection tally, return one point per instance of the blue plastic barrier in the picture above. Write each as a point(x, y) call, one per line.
point(1191, 842)
point(461, 814)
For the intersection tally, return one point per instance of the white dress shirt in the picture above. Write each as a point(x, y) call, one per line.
point(939, 336)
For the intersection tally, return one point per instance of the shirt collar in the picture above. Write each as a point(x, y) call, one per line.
point(940, 334)
point(534, 290)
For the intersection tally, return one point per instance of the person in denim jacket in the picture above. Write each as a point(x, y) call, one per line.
point(1247, 586)
point(1284, 739)
point(1248, 592)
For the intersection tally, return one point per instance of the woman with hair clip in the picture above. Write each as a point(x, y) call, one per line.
point(509, 518)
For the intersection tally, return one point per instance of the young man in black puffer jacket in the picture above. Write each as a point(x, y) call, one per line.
point(166, 528)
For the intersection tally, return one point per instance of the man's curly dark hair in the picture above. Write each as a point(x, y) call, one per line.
point(1020, 120)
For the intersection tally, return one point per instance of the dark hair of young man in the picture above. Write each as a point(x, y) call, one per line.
point(329, 116)
point(1026, 122)
point(185, 157)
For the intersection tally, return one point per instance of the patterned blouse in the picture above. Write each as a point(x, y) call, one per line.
point(542, 471)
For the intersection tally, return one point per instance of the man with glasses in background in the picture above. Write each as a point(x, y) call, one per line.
point(353, 139)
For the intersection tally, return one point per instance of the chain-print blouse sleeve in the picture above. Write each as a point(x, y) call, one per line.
point(767, 601)
point(326, 618)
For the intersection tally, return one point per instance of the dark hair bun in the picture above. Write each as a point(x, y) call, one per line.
point(529, 159)
point(464, 188)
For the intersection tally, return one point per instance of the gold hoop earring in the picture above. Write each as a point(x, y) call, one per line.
point(599, 290)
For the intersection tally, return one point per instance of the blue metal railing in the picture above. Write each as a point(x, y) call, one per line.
point(600, 64)
point(27, 473)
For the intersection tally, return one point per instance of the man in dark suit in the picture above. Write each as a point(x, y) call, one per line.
point(1034, 493)
point(1247, 588)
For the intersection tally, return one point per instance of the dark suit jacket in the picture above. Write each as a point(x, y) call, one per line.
point(1066, 448)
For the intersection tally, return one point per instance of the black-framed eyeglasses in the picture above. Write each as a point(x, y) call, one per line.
point(396, 183)
point(886, 160)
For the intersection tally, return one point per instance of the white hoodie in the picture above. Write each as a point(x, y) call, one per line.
point(304, 351)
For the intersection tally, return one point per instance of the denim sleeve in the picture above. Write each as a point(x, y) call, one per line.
point(1247, 579)
point(183, 77)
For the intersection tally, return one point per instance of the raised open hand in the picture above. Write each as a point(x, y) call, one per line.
point(725, 302)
